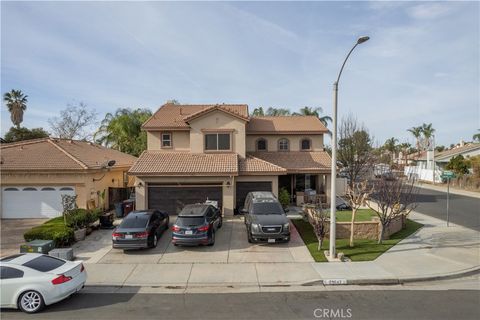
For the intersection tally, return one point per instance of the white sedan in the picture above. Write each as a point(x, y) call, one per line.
point(29, 281)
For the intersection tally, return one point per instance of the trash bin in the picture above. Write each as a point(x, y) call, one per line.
point(127, 206)
point(118, 209)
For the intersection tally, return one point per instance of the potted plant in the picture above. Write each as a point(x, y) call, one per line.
point(77, 219)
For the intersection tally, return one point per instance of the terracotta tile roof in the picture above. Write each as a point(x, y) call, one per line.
point(59, 154)
point(172, 116)
point(447, 154)
point(220, 107)
point(185, 164)
point(298, 161)
point(286, 124)
point(252, 165)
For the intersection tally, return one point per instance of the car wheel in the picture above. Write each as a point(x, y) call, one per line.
point(220, 223)
point(31, 302)
point(212, 239)
point(249, 237)
point(155, 240)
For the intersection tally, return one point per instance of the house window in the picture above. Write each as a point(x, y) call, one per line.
point(29, 189)
point(283, 145)
point(306, 144)
point(217, 141)
point(261, 144)
point(166, 140)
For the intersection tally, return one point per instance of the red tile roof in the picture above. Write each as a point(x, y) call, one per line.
point(185, 164)
point(298, 161)
point(59, 154)
point(255, 166)
point(286, 124)
point(172, 116)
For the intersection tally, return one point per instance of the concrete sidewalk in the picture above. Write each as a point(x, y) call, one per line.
point(443, 188)
point(433, 252)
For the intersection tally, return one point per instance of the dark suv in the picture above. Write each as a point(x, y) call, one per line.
point(265, 219)
point(196, 224)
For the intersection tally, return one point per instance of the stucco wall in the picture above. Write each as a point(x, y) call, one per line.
point(272, 179)
point(180, 141)
point(272, 142)
point(217, 120)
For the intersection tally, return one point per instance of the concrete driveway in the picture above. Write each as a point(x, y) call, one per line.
point(12, 234)
point(231, 246)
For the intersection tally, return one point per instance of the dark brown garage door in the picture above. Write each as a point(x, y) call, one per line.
point(172, 199)
point(243, 188)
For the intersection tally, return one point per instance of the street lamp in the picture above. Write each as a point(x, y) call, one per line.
point(333, 195)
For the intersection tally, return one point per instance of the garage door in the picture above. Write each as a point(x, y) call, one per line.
point(172, 199)
point(20, 202)
point(243, 188)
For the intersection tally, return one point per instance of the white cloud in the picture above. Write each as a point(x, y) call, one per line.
point(430, 10)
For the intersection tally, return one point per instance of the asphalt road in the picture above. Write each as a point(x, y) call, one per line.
point(464, 210)
point(388, 304)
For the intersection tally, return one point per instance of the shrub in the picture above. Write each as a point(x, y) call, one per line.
point(53, 229)
point(284, 197)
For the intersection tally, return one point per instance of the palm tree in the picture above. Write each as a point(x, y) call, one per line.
point(16, 103)
point(428, 131)
point(391, 146)
point(416, 132)
point(404, 147)
point(476, 136)
point(309, 111)
point(278, 112)
point(258, 112)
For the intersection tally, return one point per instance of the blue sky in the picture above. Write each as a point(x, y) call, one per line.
point(420, 65)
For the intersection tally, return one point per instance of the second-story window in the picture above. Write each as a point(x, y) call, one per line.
point(283, 145)
point(166, 140)
point(217, 142)
point(306, 144)
point(261, 144)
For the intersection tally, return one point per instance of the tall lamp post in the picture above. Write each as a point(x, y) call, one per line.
point(333, 194)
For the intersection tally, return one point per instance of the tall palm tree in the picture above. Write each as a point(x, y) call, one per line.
point(428, 131)
point(258, 112)
point(278, 112)
point(391, 146)
point(16, 103)
point(416, 132)
point(309, 111)
point(404, 148)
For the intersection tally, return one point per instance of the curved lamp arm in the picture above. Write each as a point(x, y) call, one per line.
point(359, 41)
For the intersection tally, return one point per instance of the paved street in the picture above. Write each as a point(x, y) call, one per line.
point(464, 210)
point(378, 304)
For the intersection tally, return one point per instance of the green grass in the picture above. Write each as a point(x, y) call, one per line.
point(361, 215)
point(364, 250)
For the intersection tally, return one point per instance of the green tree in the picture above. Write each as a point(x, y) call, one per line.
point(284, 197)
point(476, 136)
point(458, 165)
point(258, 112)
point(309, 111)
point(122, 130)
point(16, 103)
point(391, 146)
point(417, 133)
point(427, 130)
point(277, 112)
point(22, 133)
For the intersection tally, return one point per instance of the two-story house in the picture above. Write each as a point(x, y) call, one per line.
point(219, 152)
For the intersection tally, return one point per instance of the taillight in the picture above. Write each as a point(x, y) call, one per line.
point(61, 279)
point(175, 228)
point(204, 228)
point(82, 268)
point(117, 235)
point(141, 235)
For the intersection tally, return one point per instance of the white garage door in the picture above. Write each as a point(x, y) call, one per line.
point(19, 202)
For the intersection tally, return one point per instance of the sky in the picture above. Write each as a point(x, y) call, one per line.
point(421, 63)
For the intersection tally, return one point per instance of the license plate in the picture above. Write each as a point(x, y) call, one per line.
point(188, 232)
point(271, 240)
point(128, 236)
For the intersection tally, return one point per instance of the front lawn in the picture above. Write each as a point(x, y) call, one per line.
point(362, 215)
point(364, 250)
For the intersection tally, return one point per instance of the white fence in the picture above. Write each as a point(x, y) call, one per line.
point(414, 172)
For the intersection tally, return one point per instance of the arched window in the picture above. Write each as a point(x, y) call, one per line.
point(66, 189)
point(48, 189)
point(10, 189)
point(283, 145)
point(305, 144)
point(29, 189)
point(261, 144)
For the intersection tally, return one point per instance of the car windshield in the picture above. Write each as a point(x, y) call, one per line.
point(190, 221)
point(137, 221)
point(267, 208)
point(193, 210)
point(44, 263)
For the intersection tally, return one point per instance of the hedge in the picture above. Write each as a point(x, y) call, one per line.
point(55, 229)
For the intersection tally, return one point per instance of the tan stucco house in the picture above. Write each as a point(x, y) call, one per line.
point(219, 152)
point(35, 173)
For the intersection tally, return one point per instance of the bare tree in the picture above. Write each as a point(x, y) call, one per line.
point(357, 196)
point(354, 148)
point(392, 198)
point(73, 122)
point(319, 221)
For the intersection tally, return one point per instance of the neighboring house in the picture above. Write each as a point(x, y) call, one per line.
point(218, 152)
point(35, 173)
point(424, 164)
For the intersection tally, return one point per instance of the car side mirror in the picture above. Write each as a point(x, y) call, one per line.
point(243, 211)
